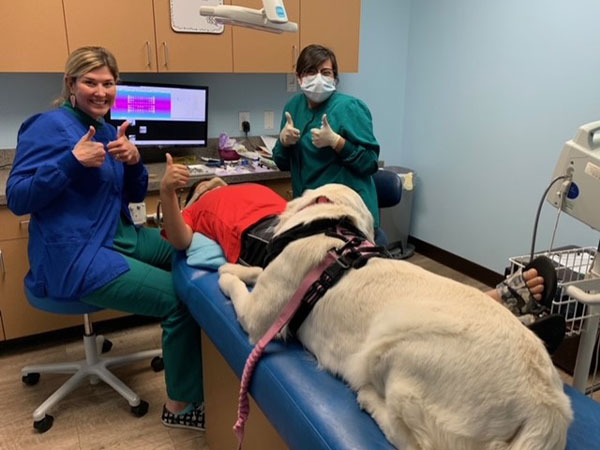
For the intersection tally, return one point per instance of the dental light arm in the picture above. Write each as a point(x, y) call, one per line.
point(579, 161)
point(272, 17)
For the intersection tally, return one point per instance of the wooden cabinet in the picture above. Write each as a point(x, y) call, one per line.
point(32, 36)
point(334, 24)
point(18, 317)
point(37, 36)
point(259, 52)
point(190, 52)
point(126, 28)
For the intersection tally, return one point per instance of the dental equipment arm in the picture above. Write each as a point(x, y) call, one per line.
point(272, 17)
point(579, 161)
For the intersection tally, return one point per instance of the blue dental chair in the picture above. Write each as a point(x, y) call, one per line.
point(94, 366)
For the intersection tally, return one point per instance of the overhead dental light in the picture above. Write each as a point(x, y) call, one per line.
point(272, 17)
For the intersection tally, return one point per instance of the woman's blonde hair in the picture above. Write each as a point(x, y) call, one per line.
point(82, 61)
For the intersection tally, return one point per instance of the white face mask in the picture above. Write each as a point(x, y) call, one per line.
point(317, 87)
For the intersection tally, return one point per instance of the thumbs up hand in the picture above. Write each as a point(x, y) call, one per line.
point(325, 136)
point(88, 152)
point(123, 150)
point(289, 135)
point(176, 176)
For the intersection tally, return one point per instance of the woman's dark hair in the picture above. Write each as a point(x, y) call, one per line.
point(312, 56)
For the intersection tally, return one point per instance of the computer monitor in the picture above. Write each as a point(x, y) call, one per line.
point(162, 115)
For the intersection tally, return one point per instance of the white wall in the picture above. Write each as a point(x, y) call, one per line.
point(494, 89)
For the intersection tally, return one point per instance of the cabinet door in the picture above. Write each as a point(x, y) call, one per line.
point(126, 28)
point(259, 52)
point(190, 52)
point(18, 317)
point(32, 36)
point(334, 24)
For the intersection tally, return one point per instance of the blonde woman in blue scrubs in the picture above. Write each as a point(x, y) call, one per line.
point(76, 175)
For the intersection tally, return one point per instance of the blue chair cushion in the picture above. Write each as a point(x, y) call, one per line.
point(60, 306)
point(388, 186)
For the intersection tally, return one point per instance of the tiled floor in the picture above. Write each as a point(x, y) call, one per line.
point(92, 417)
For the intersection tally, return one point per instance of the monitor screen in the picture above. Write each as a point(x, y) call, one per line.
point(161, 114)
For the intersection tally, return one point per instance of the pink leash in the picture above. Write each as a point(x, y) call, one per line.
point(286, 315)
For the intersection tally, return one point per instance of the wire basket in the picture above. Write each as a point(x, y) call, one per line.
point(572, 265)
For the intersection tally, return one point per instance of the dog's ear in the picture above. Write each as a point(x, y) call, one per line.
point(297, 204)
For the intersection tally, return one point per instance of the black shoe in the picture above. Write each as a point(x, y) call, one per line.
point(192, 419)
point(550, 329)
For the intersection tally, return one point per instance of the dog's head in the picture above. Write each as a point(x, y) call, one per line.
point(339, 201)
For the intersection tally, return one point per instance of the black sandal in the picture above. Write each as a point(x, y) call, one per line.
point(545, 268)
point(550, 328)
point(516, 294)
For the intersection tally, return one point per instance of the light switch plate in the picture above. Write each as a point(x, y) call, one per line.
point(269, 120)
point(292, 84)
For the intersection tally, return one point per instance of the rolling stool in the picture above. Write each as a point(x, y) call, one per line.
point(94, 366)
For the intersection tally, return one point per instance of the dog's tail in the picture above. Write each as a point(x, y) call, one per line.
point(547, 430)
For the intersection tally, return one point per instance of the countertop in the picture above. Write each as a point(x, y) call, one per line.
point(156, 170)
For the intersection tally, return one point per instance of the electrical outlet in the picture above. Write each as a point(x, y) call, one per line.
point(244, 117)
point(269, 120)
point(138, 213)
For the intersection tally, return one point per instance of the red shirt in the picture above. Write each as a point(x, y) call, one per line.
point(223, 214)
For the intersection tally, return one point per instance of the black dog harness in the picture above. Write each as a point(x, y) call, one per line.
point(354, 254)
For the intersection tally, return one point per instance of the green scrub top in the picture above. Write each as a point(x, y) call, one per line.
point(312, 167)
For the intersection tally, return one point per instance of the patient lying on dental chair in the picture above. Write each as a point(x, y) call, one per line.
point(241, 219)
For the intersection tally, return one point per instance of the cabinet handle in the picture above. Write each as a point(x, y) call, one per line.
point(166, 52)
point(149, 50)
point(2, 264)
point(22, 223)
point(294, 56)
point(158, 214)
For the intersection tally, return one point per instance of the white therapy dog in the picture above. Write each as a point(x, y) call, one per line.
point(438, 364)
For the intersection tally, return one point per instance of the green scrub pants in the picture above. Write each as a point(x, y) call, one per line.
point(147, 289)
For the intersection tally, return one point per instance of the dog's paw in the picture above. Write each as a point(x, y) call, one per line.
point(227, 283)
point(248, 275)
point(228, 268)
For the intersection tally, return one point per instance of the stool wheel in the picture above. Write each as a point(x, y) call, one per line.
point(157, 363)
point(106, 346)
point(31, 379)
point(43, 425)
point(140, 409)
